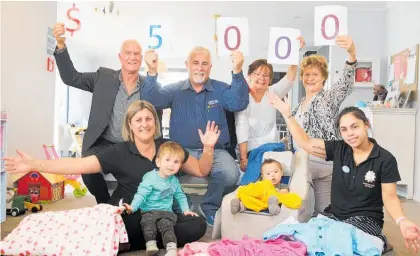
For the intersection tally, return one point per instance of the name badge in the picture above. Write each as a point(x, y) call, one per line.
point(346, 169)
point(213, 103)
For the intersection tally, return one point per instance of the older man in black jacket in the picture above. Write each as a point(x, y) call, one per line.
point(112, 92)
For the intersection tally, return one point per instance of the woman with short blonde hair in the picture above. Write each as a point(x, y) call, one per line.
point(317, 111)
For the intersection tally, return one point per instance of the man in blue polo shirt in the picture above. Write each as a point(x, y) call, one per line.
point(193, 103)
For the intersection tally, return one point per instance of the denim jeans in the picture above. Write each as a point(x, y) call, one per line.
point(224, 176)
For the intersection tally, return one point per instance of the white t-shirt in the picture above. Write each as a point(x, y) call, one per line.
point(257, 123)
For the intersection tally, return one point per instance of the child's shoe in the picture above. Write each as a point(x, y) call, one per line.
point(236, 206)
point(151, 248)
point(171, 249)
point(273, 205)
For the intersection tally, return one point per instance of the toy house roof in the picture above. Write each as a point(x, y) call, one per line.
point(52, 178)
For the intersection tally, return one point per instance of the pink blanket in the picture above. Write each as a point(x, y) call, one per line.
point(195, 249)
point(254, 247)
point(89, 231)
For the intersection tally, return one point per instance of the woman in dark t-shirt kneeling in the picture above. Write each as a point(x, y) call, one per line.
point(364, 178)
point(129, 161)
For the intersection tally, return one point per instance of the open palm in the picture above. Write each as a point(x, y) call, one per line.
point(280, 104)
point(411, 234)
point(18, 164)
point(345, 42)
point(211, 136)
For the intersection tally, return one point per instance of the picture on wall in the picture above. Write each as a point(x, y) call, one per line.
point(363, 72)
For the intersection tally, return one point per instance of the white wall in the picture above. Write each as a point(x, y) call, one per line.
point(403, 31)
point(368, 32)
point(27, 88)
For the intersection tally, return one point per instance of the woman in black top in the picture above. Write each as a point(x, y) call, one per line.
point(365, 175)
point(128, 162)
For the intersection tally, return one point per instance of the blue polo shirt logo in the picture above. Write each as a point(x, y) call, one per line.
point(212, 103)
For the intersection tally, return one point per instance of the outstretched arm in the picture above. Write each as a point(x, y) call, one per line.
point(69, 75)
point(409, 230)
point(313, 146)
point(344, 86)
point(389, 176)
point(152, 91)
point(24, 163)
point(143, 191)
point(235, 97)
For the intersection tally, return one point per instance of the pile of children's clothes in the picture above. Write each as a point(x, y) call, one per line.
point(320, 236)
point(96, 230)
point(282, 245)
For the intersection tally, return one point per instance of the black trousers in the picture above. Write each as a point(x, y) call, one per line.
point(95, 182)
point(162, 221)
point(188, 229)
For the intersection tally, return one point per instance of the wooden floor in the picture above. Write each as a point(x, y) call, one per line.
point(411, 208)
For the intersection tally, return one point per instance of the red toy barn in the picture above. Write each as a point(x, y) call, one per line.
point(41, 186)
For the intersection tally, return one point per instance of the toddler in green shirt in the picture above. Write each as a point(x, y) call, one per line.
point(155, 195)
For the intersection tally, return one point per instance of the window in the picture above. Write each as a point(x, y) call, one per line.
point(281, 124)
point(172, 75)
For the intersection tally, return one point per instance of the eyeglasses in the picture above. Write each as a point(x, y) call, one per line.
point(264, 76)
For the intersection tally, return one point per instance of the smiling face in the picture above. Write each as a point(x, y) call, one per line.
point(353, 130)
point(143, 125)
point(313, 81)
point(260, 78)
point(260, 74)
point(130, 56)
point(313, 73)
point(199, 65)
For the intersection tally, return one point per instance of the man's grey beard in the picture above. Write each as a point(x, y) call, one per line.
point(200, 80)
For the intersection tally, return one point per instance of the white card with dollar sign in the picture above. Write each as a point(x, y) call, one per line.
point(71, 19)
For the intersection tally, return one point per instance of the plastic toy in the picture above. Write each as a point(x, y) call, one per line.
point(41, 186)
point(360, 104)
point(77, 134)
point(33, 207)
point(71, 180)
point(15, 205)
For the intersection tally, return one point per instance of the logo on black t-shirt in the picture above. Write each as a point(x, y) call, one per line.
point(369, 178)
